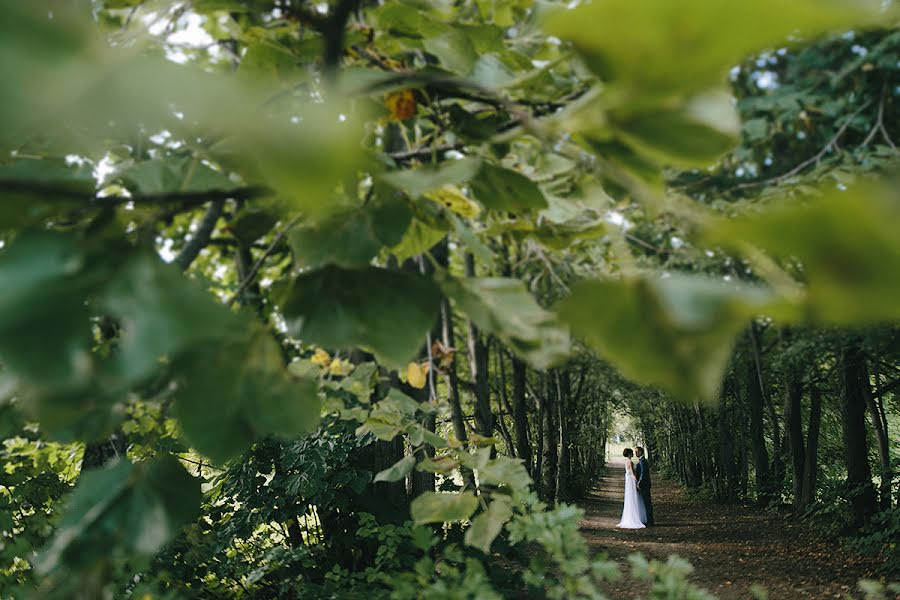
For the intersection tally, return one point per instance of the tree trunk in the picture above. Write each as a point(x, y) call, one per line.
point(520, 413)
point(757, 436)
point(452, 379)
point(856, 448)
point(879, 424)
point(478, 366)
point(504, 401)
point(795, 435)
point(727, 464)
point(810, 466)
point(565, 457)
point(551, 445)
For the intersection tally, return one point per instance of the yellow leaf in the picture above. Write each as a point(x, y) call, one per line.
point(402, 105)
point(340, 367)
point(415, 375)
point(455, 200)
point(321, 358)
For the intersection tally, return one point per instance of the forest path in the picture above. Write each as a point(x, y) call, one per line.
point(731, 546)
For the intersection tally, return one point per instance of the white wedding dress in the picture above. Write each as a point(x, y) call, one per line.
point(634, 515)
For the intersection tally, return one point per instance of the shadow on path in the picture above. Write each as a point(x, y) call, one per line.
point(731, 546)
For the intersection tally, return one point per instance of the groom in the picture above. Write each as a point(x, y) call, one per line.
point(643, 476)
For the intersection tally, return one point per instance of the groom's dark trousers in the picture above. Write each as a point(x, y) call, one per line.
point(643, 474)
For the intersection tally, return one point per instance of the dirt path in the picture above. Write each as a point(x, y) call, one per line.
point(731, 546)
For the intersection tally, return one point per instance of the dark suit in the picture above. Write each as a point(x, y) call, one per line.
point(643, 476)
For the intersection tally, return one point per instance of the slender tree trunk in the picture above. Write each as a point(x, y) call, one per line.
point(452, 379)
point(504, 401)
point(879, 424)
point(757, 435)
point(538, 474)
point(726, 449)
point(795, 436)
point(810, 466)
point(520, 413)
point(856, 448)
point(478, 365)
point(551, 445)
point(565, 456)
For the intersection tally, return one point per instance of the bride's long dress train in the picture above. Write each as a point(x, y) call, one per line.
point(634, 515)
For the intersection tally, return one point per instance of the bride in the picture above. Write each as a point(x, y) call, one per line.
point(633, 513)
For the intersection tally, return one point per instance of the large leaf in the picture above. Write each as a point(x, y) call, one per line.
point(454, 49)
point(351, 239)
point(681, 136)
point(847, 246)
point(121, 512)
point(386, 311)
point(658, 46)
point(417, 239)
point(504, 308)
point(432, 507)
point(161, 313)
point(233, 391)
point(172, 175)
point(499, 188)
point(488, 525)
point(45, 279)
point(417, 182)
point(398, 470)
point(675, 332)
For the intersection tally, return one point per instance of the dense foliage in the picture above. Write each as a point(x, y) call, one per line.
point(290, 288)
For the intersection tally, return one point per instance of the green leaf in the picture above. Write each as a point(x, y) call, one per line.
point(676, 332)
point(503, 189)
point(353, 238)
point(398, 470)
point(504, 308)
point(418, 238)
point(432, 507)
point(487, 526)
point(384, 430)
point(454, 50)
point(235, 390)
point(250, 224)
point(388, 312)
point(439, 464)
point(45, 280)
point(847, 245)
point(417, 182)
point(173, 175)
point(504, 470)
point(161, 313)
point(361, 382)
point(658, 46)
point(121, 512)
point(675, 137)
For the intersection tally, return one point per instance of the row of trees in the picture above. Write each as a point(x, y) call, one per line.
point(805, 416)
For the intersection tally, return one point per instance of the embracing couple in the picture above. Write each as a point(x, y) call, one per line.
point(638, 510)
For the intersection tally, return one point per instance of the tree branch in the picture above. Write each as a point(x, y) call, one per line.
point(201, 237)
point(189, 199)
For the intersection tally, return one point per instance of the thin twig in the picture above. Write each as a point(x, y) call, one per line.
point(262, 259)
point(811, 160)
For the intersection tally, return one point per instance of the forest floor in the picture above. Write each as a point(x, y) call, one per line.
point(731, 547)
